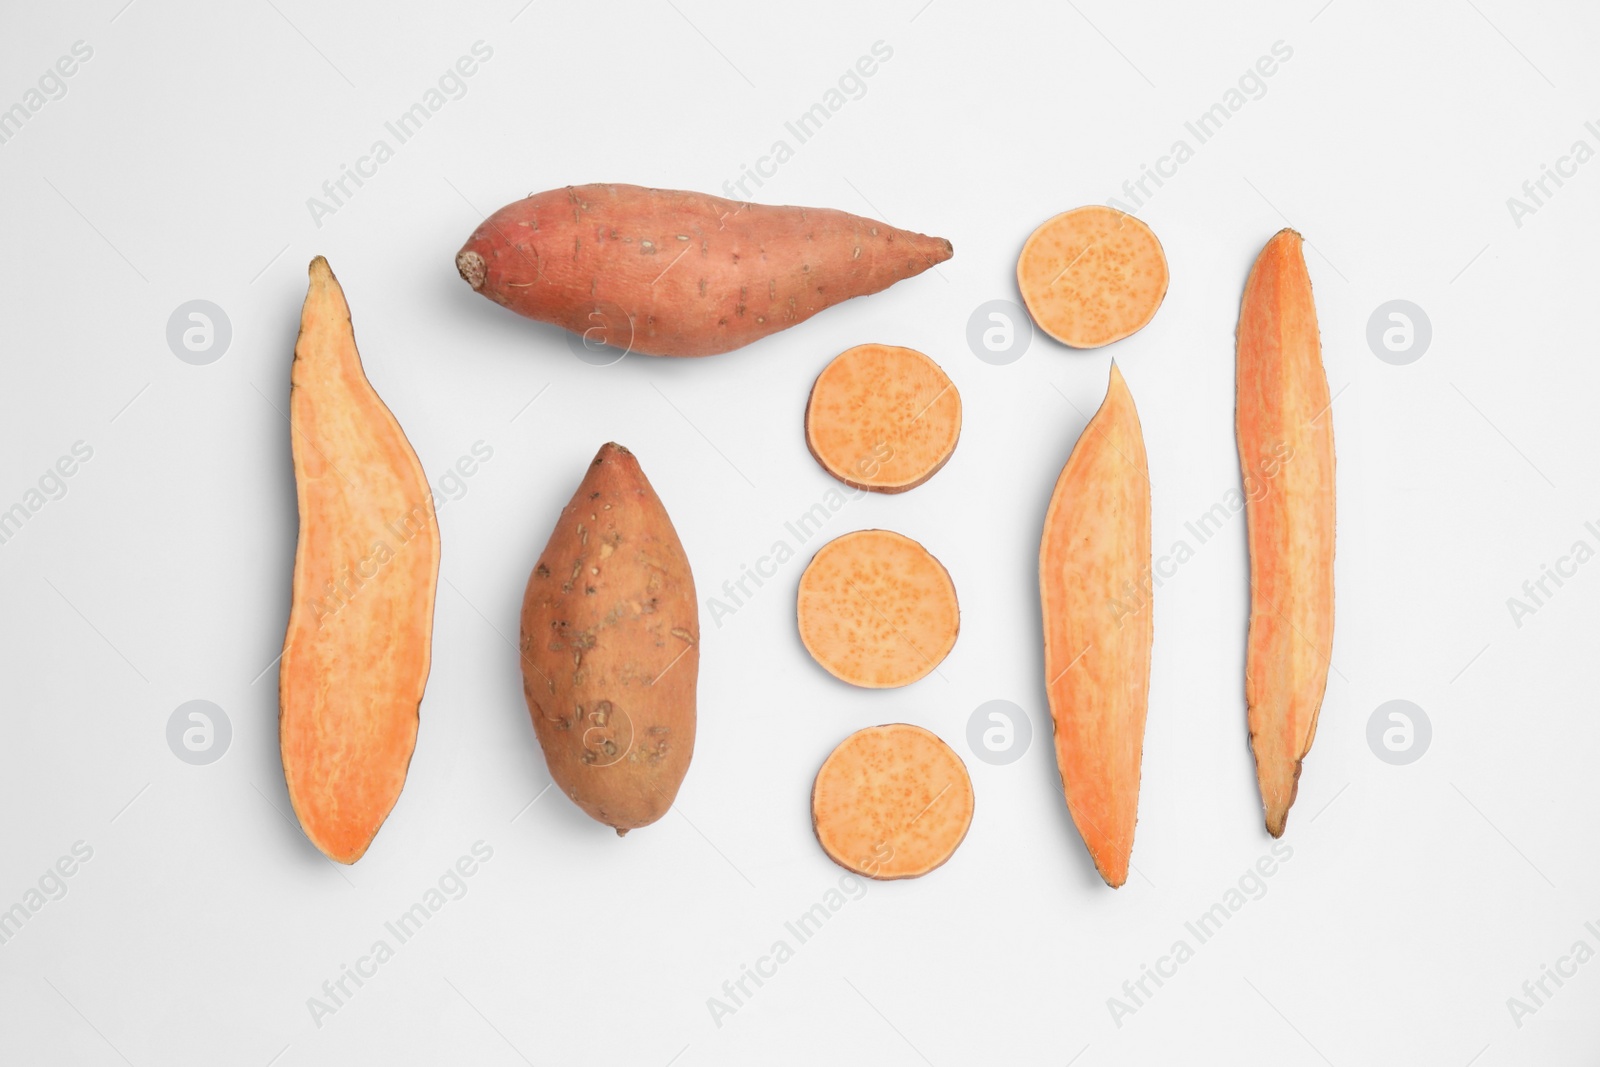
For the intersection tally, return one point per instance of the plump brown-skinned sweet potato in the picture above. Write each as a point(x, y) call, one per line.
point(1094, 584)
point(669, 273)
point(356, 655)
point(1285, 433)
point(611, 648)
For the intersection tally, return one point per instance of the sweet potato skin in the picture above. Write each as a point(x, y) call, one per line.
point(357, 650)
point(670, 273)
point(611, 648)
point(1094, 575)
point(1285, 432)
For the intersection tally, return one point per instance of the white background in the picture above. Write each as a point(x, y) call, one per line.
point(1418, 899)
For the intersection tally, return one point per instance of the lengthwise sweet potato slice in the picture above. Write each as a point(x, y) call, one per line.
point(891, 802)
point(1092, 275)
point(883, 418)
point(1286, 453)
point(877, 610)
point(1094, 588)
point(356, 656)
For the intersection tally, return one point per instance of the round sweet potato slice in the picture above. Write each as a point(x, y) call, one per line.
point(883, 418)
point(891, 802)
point(1092, 275)
point(877, 610)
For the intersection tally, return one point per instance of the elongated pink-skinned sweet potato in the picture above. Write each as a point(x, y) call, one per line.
point(669, 273)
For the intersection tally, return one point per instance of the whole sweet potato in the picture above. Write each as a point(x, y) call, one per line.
point(670, 273)
point(611, 648)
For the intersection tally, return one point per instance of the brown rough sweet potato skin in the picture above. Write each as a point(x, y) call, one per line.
point(670, 273)
point(611, 648)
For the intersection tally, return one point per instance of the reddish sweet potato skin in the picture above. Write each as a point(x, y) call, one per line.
point(611, 648)
point(670, 273)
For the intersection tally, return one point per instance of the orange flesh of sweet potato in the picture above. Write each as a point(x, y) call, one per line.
point(611, 648)
point(883, 418)
point(877, 610)
point(1092, 275)
point(891, 802)
point(1094, 570)
point(1286, 448)
point(356, 656)
point(669, 273)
